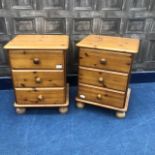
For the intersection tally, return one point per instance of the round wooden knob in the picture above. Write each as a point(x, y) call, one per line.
point(100, 79)
point(99, 96)
point(38, 80)
point(36, 61)
point(40, 97)
point(103, 61)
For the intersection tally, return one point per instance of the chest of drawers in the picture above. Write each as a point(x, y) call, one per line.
point(104, 70)
point(38, 66)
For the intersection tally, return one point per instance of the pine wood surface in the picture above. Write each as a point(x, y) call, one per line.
point(117, 44)
point(124, 109)
point(101, 96)
point(40, 95)
point(65, 104)
point(36, 59)
point(38, 64)
point(38, 42)
point(103, 78)
point(105, 64)
point(38, 78)
point(93, 58)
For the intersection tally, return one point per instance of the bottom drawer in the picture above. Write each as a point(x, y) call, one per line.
point(40, 96)
point(101, 96)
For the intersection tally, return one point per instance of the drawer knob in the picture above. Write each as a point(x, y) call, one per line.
point(36, 61)
point(38, 80)
point(103, 61)
point(99, 96)
point(100, 79)
point(40, 97)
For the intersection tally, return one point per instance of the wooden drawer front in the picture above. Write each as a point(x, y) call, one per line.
point(37, 59)
point(107, 79)
point(40, 96)
point(101, 96)
point(105, 60)
point(36, 78)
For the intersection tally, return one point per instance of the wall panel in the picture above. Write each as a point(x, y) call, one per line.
point(79, 18)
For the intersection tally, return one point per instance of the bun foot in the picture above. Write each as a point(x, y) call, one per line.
point(63, 110)
point(120, 114)
point(20, 110)
point(80, 105)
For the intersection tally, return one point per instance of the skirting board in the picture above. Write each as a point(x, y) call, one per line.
point(136, 77)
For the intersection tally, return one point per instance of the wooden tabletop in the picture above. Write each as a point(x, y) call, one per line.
point(110, 43)
point(38, 42)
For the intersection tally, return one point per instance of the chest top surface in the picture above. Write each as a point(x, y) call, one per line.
point(38, 42)
point(119, 44)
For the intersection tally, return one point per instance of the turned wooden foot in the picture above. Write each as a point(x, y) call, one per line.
point(120, 114)
point(63, 110)
point(80, 105)
point(20, 110)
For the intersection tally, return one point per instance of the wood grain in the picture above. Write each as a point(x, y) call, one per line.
point(38, 42)
point(117, 44)
point(38, 65)
point(40, 96)
point(103, 78)
point(101, 96)
point(48, 59)
point(66, 103)
point(38, 78)
point(124, 109)
point(120, 62)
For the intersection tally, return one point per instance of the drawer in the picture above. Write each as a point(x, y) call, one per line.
point(106, 60)
point(102, 78)
point(40, 96)
point(101, 96)
point(38, 78)
point(37, 59)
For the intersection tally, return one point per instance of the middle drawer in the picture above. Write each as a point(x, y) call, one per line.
point(102, 78)
point(38, 78)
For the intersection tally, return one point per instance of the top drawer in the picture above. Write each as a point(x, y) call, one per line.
point(37, 59)
point(109, 60)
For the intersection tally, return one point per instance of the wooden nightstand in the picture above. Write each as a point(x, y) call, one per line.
point(38, 64)
point(105, 64)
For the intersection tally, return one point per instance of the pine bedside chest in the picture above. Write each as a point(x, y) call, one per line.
point(104, 69)
point(38, 65)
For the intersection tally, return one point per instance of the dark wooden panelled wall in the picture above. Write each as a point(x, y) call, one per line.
point(78, 18)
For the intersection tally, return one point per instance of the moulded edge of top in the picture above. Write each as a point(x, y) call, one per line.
point(83, 44)
point(12, 43)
